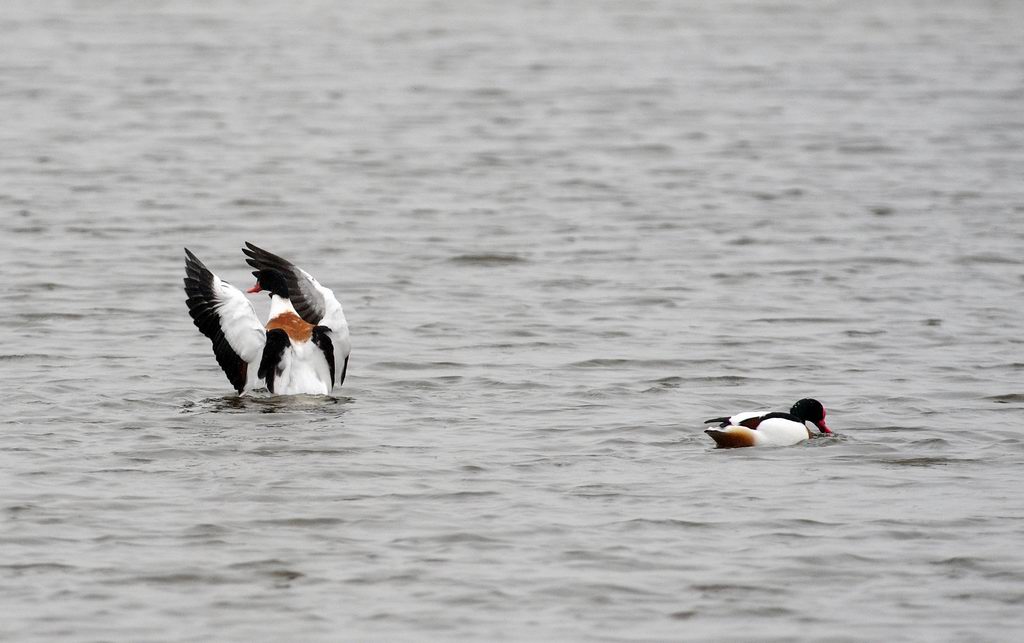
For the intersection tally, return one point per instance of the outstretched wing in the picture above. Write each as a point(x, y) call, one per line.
point(314, 303)
point(310, 299)
point(222, 313)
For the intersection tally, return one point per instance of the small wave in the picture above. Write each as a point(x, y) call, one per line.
point(897, 428)
point(455, 537)
point(487, 259)
point(25, 356)
point(263, 402)
point(301, 522)
point(987, 258)
point(612, 362)
point(180, 578)
point(932, 443)
point(52, 316)
point(965, 563)
point(866, 147)
point(206, 529)
point(642, 523)
point(799, 320)
point(823, 440)
point(418, 385)
point(257, 202)
point(1000, 399)
point(735, 588)
point(277, 451)
point(926, 461)
point(418, 366)
point(672, 381)
point(573, 283)
point(863, 333)
point(803, 522)
point(21, 568)
point(257, 564)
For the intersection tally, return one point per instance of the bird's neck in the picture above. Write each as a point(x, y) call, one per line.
point(279, 306)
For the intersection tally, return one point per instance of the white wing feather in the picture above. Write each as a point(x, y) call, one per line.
point(334, 318)
point(238, 320)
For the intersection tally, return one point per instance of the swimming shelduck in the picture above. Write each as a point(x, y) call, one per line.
point(769, 429)
point(304, 347)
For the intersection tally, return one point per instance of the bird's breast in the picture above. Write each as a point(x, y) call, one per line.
point(298, 329)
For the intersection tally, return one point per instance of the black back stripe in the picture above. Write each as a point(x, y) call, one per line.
point(322, 339)
point(784, 416)
point(754, 422)
point(277, 341)
point(202, 304)
point(344, 371)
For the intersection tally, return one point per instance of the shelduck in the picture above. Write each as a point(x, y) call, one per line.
point(302, 349)
point(755, 429)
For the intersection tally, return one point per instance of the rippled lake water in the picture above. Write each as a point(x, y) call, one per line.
point(564, 234)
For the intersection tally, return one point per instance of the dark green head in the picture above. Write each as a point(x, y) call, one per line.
point(271, 281)
point(812, 411)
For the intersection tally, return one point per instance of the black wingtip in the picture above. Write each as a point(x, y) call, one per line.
point(252, 253)
point(251, 250)
point(192, 261)
point(196, 269)
point(260, 259)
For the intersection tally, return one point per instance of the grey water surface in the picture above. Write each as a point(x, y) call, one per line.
point(564, 233)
